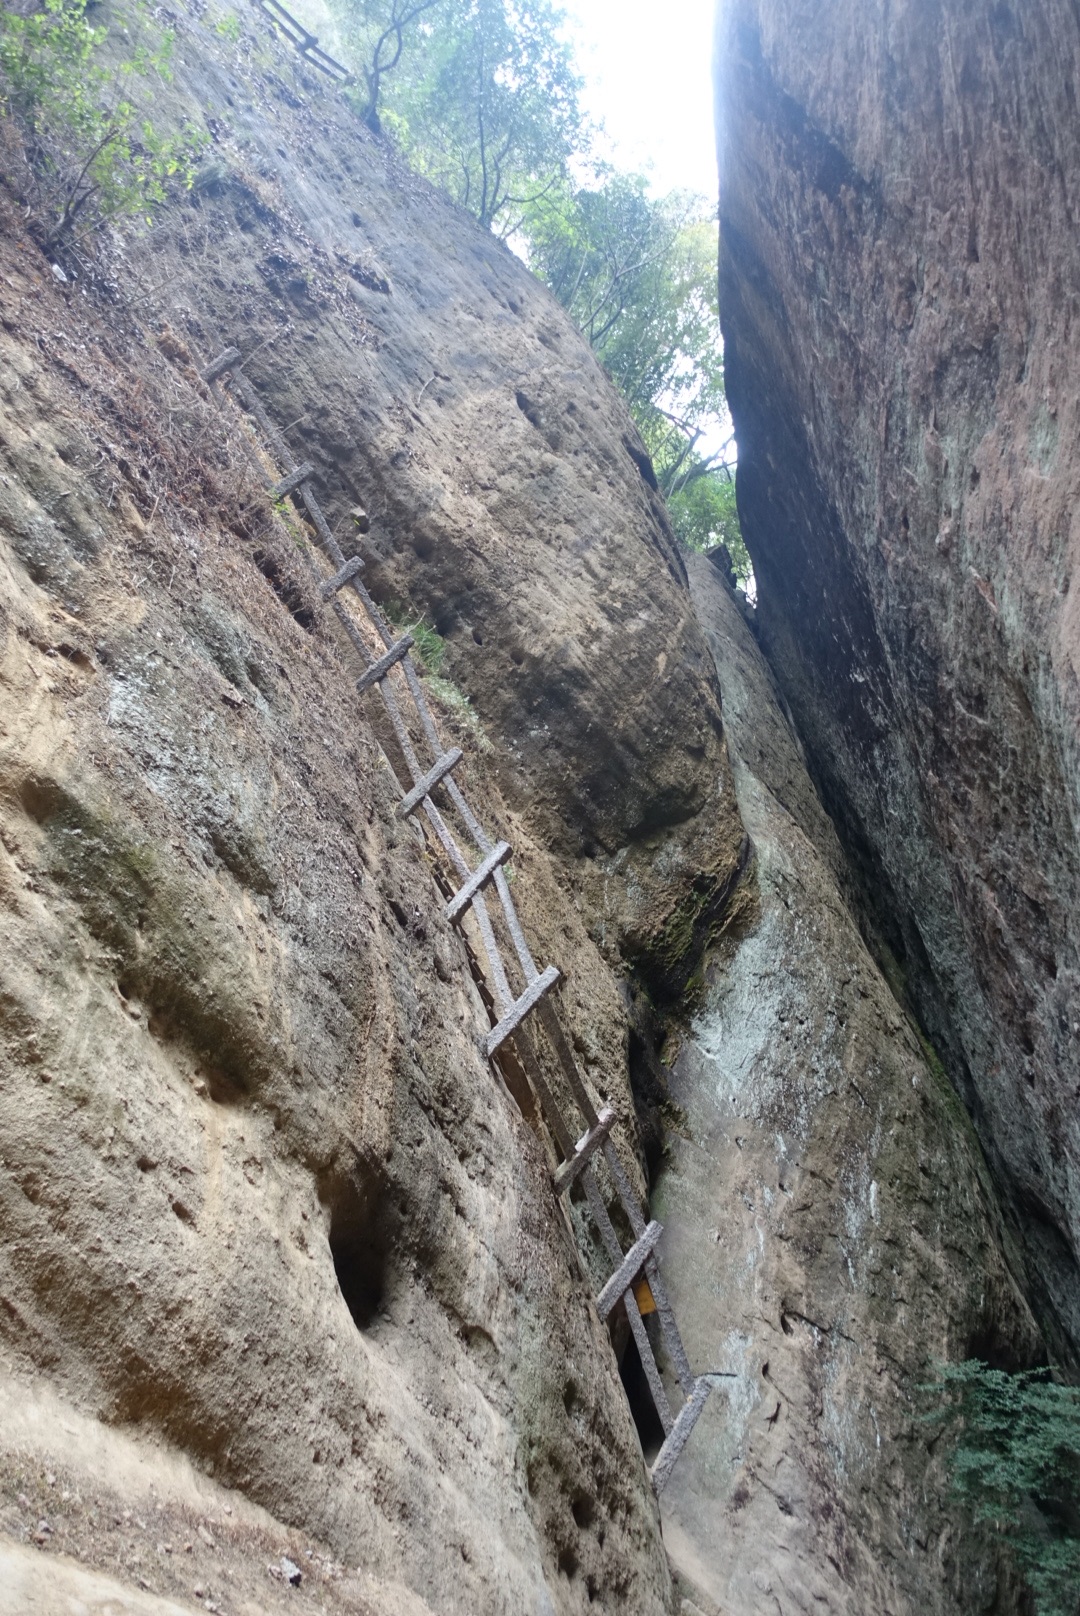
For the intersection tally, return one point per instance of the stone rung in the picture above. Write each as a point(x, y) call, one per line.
point(423, 788)
point(290, 483)
point(677, 1437)
point(628, 1269)
point(217, 367)
point(586, 1146)
point(380, 669)
point(518, 1011)
point(340, 579)
point(479, 878)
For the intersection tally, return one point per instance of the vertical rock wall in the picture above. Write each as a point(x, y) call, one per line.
point(900, 275)
point(265, 1207)
point(832, 1230)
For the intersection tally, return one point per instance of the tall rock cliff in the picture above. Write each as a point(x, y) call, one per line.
point(833, 1230)
point(899, 280)
point(283, 1275)
point(289, 1315)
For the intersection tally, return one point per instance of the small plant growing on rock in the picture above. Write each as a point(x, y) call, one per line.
point(1015, 1461)
point(428, 643)
point(93, 152)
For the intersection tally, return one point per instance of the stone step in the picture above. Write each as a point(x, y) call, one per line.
point(479, 878)
point(217, 367)
point(340, 579)
point(380, 669)
point(628, 1269)
point(586, 1146)
point(423, 788)
point(517, 1012)
point(677, 1437)
point(292, 480)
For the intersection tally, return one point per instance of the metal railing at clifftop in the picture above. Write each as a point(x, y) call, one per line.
point(306, 43)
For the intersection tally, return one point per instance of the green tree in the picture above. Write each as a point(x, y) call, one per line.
point(1015, 1461)
point(485, 102)
point(378, 34)
point(639, 277)
point(94, 152)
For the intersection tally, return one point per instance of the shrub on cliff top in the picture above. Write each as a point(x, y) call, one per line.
point(93, 152)
point(1015, 1461)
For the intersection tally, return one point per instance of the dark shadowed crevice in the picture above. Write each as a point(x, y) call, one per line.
point(360, 1248)
point(649, 1429)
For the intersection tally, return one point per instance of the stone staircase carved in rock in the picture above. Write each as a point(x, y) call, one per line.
point(384, 656)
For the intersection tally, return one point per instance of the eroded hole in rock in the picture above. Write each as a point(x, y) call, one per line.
point(583, 1509)
point(286, 589)
point(642, 462)
point(649, 1429)
point(359, 1246)
point(529, 410)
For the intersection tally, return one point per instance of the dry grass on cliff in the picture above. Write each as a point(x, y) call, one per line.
point(147, 433)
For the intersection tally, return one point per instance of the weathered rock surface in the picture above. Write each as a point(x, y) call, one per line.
point(264, 1204)
point(899, 282)
point(436, 384)
point(831, 1230)
point(281, 1276)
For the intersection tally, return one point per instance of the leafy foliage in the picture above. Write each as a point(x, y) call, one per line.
point(703, 514)
point(428, 643)
point(95, 153)
point(639, 277)
point(1015, 1461)
point(484, 101)
point(378, 32)
point(483, 96)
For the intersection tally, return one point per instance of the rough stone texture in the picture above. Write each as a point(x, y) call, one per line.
point(265, 1206)
point(899, 282)
point(435, 383)
point(830, 1229)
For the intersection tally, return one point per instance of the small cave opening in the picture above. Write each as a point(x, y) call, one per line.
point(583, 1509)
point(360, 1249)
point(642, 1408)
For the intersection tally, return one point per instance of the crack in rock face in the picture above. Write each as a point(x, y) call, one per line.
point(290, 1317)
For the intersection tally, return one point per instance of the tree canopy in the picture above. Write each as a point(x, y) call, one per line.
point(1014, 1455)
point(483, 97)
point(482, 94)
point(639, 277)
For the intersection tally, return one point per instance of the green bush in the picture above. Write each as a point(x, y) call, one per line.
point(428, 645)
point(94, 153)
point(1015, 1461)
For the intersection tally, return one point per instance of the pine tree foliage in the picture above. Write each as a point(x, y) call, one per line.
point(1015, 1461)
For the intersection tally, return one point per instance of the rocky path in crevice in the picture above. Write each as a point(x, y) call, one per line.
point(831, 1229)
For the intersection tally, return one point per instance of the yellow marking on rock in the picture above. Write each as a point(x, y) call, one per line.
point(643, 1296)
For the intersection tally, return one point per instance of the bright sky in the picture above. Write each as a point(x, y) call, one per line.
point(647, 66)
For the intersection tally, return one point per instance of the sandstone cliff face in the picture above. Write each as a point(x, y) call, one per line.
point(266, 1209)
point(281, 1271)
point(262, 1197)
point(899, 275)
point(832, 1229)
